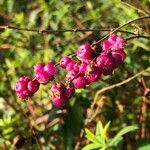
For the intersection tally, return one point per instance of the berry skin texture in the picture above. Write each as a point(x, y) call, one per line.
point(113, 43)
point(106, 63)
point(70, 91)
point(44, 72)
point(38, 68)
point(42, 77)
point(71, 74)
point(26, 87)
point(59, 101)
point(94, 75)
point(60, 94)
point(64, 61)
point(33, 86)
point(80, 82)
point(85, 52)
point(83, 67)
point(118, 56)
point(72, 66)
point(50, 69)
point(21, 87)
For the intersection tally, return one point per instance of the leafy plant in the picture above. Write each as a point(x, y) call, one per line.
point(101, 140)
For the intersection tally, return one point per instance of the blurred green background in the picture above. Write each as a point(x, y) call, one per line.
point(21, 50)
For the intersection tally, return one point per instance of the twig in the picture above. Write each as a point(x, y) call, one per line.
point(138, 36)
point(63, 30)
point(116, 29)
point(139, 10)
point(30, 107)
point(118, 84)
point(144, 107)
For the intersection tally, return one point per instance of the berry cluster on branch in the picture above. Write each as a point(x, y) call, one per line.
point(87, 67)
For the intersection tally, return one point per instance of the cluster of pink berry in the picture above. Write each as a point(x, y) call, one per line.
point(86, 69)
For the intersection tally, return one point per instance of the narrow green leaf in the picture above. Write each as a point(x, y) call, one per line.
point(122, 132)
point(92, 137)
point(106, 128)
point(99, 128)
point(91, 146)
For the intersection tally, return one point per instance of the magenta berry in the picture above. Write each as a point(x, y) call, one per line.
point(38, 68)
point(50, 69)
point(60, 94)
point(21, 85)
point(44, 72)
point(106, 63)
point(80, 82)
point(85, 52)
point(58, 90)
point(71, 74)
point(33, 86)
point(42, 78)
point(70, 91)
point(73, 65)
point(106, 45)
point(118, 56)
point(59, 101)
point(26, 87)
point(64, 61)
point(83, 67)
point(114, 43)
point(94, 74)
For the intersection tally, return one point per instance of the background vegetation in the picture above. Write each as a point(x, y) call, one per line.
point(60, 128)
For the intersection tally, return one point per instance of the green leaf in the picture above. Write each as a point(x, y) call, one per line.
point(106, 128)
point(143, 144)
point(144, 147)
point(118, 137)
point(101, 132)
point(99, 128)
point(91, 146)
point(92, 137)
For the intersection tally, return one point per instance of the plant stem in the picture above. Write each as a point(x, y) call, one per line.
point(30, 107)
point(63, 30)
point(138, 36)
point(116, 29)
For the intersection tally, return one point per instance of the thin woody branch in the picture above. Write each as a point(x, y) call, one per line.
point(63, 30)
point(118, 28)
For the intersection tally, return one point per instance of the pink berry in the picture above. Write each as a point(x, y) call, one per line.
point(112, 38)
point(118, 57)
point(42, 78)
point(50, 69)
point(58, 90)
point(106, 63)
point(21, 95)
point(106, 45)
point(33, 86)
point(80, 82)
point(85, 52)
point(73, 65)
point(83, 67)
point(60, 94)
point(38, 68)
point(59, 101)
point(64, 61)
point(94, 75)
point(70, 91)
point(113, 43)
point(21, 87)
point(71, 74)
